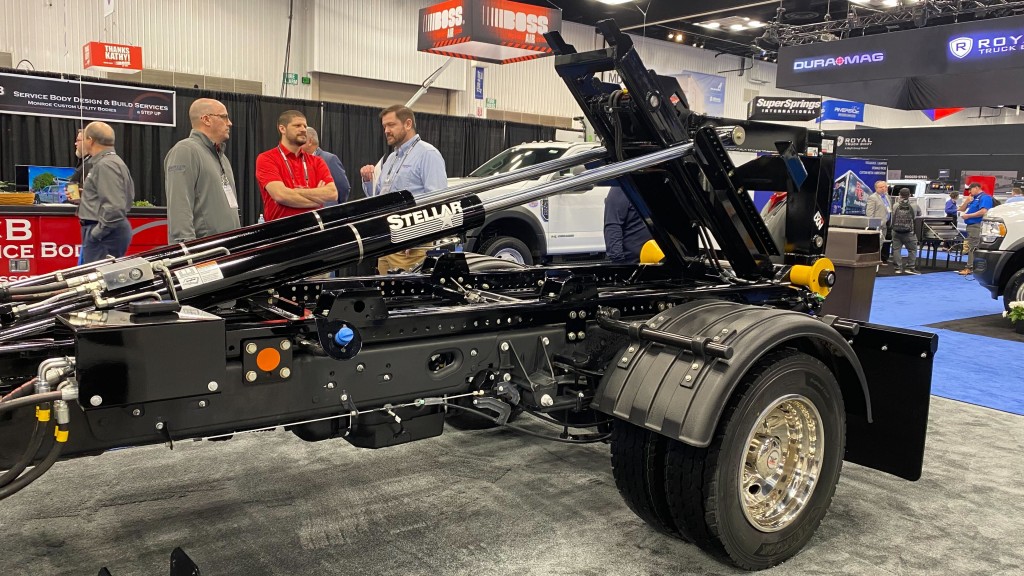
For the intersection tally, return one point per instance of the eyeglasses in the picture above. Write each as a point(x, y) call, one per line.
point(224, 117)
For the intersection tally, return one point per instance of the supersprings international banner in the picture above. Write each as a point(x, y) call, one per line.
point(496, 31)
point(38, 96)
point(782, 108)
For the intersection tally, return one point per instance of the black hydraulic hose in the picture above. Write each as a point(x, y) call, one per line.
point(35, 441)
point(7, 291)
point(29, 400)
point(39, 469)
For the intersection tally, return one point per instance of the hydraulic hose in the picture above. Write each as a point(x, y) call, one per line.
point(30, 400)
point(6, 292)
point(20, 390)
point(35, 441)
point(61, 435)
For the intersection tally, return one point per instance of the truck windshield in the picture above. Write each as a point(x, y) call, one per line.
point(515, 158)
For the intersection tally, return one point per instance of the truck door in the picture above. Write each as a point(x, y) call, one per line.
point(576, 218)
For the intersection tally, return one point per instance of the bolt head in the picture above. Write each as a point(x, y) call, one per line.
point(631, 349)
point(251, 348)
point(473, 352)
point(285, 372)
point(360, 367)
point(96, 400)
point(251, 376)
point(504, 346)
point(583, 313)
point(545, 341)
point(507, 377)
point(625, 359)
point(387, 377)
point(572, 315)
point(885, 348)
point(202, 403)
point(694, 366)
point(285, 344)
point(136, 412)
point(159, 425)
point(344, 397)
point(689, 377)
point(212, 386)
point(546, 400)
point(581, 335)
point(572, 336)
point(331, 385)
point(924, 354)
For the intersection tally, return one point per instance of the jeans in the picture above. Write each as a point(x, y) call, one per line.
point(899, 240)
point(114, 242)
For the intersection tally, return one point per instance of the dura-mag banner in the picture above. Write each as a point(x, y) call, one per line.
point(39, 96)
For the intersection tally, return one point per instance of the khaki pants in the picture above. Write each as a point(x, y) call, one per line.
point(406, 260)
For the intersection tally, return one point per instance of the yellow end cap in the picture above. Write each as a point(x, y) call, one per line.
point(42, 415)
point(811, 276)
point(651, 253)
point(60, 435)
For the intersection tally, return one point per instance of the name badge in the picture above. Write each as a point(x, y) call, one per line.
point(229, 193)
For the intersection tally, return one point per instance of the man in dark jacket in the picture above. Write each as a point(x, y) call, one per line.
point(334, 164)
point(625, 232)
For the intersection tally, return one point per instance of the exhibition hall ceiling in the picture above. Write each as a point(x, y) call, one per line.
point(754, 27)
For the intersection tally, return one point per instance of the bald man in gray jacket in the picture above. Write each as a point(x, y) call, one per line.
point(198, 180)
point(107, 195)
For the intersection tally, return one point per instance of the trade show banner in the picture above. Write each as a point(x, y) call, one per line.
point(119, 58)
point(39, 96)
point(842, 111)
point(782, 108)
point(976, 63)
point(854, 183)
point(704, 92)
point(496, 31)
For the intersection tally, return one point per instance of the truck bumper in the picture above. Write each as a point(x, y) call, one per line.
point(988, 268)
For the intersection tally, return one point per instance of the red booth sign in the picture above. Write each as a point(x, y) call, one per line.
point(112, 57)
point(495, 31)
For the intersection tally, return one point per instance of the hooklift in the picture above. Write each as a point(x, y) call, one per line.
point(728, 401)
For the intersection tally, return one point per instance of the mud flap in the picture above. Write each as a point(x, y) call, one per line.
point(897, 364)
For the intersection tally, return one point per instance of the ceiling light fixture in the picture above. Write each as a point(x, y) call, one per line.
point(679, 38)
point(737, 27)
point(755, 24)
point(709, 24)
point(671, 36)
point(614, 2)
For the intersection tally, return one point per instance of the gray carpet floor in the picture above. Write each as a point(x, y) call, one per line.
point(487, 503)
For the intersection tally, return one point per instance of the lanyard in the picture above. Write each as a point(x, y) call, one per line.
point(305, 170)
point(393, 172)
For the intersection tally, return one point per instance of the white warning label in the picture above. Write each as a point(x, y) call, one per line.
point(196, 275)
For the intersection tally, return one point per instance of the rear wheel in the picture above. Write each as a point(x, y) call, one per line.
point(757, 493)
point(638, 465)
point(508, 248)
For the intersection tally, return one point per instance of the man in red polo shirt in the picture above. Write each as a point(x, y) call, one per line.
point(292, 181)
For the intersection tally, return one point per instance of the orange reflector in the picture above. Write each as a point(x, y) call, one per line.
point(268, 359)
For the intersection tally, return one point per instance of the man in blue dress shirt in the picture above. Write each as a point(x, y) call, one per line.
point(414, 165)
point(334, 165)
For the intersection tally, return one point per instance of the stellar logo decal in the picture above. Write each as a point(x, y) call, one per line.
point(833, 62)
point(427, 220)
point(961, 46)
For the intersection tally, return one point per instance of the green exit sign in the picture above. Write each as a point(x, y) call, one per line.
point(307, 80)
point(291, 78)
point(491, 103)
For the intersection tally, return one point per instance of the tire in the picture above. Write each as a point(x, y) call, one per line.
point(508, 248)
point(1014, 290)
point(711, 492)
point(638, 466)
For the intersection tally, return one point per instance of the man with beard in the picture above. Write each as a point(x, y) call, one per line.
point(414, 165)
point(292, 181)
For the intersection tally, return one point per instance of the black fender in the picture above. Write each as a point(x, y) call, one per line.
point(520, 215)
point(673, 392)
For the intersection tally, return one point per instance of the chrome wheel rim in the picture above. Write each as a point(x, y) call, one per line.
point(779, 468)
point(510, 254)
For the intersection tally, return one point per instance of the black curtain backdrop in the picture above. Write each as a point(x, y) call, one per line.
point(352, 132)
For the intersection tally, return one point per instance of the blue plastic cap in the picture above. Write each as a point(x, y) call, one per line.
point(344, 336)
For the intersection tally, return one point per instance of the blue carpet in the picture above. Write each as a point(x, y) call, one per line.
point(969, 368)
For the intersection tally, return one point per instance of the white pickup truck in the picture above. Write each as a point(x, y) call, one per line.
point(565, 226)
point(999, 260)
